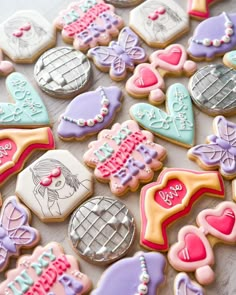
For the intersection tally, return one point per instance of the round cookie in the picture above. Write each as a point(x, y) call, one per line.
point(63, 72)
point(213, 89)
point(26, 35)
point(124, 3)
point(56, 184)
point(102, 230)
point(229, 59)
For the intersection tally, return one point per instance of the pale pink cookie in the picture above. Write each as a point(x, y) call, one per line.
point(6, 67)
point(200, 9)
point(15, 231)
point(124, 156)
point(47, 271)
point(88, 23)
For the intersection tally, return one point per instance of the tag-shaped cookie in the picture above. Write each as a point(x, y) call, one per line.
point(177, 125)
point(199, 9)
point(169, 198)
point(28, 109)
point(46, 271)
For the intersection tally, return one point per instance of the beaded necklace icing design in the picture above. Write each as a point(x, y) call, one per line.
point(229, 31)
point(98, 118)
point(144, 277)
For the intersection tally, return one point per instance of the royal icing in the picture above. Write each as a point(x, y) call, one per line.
point(15, 231)
point(47, 271)
point(62, 72)
point(90, 112)
point(124, 156)
point(199, 9)
point(28, 110)
point(177, 125)
point(147, 79)
point(16, 145)
point(184, 286)
point(114, 236)
point(220, 150)
point(169, 198)
point(213, 89)
point(119, 56)
point(158, 23)
point(193, 251)
point(207, 42)
point(25, 35)
point(88, 23)
point(230, 59)
point(6, 67)
point(56, 183)
point(141, 274)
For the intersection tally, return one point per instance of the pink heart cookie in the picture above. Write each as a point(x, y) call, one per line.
point(6, 67)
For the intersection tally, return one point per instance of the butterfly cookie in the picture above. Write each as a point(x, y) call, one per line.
point(15, 231)
point(220, 150)
point(120, 56)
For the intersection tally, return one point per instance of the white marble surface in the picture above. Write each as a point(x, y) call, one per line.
point(225, 256)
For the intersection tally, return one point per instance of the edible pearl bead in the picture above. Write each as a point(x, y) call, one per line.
point(207, 42)
point(104, 111)
point(99, 118)
point(144, 277)
point(90, 122)
point(229, 31)
point(142, 289)
point(216, 43)
point(105, 101)
point(226, 39)
point(228, 24)
point(81, 122)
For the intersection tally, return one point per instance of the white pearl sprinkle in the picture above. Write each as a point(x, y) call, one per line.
point(90, 122)
point(104, 111)
point(207, 42)
point(142, 289)
point(99, 118)
point(216, 43)
point(81, 122)
point(229, 31)
point(226, 39)
point(144, 277)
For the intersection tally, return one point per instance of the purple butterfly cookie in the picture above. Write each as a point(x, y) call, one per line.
point(15, 231)
point(184, 286)
point(141, 274)
point(119, 56)
point(220, 150)
point(90, 112)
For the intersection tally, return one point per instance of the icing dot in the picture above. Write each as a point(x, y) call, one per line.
point(81, 122)
point(229, 31)
point(228, 24)
point(216, 43)
point(104, 111)
point(226, 39)
point(142, 289)
point(207, 42)
point(90, 122)
point(144, 277)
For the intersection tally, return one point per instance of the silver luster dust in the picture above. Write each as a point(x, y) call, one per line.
point(213, 89)
point(102, 230)
point(62, 72)
point(124, 3)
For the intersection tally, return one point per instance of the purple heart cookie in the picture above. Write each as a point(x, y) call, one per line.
point(184, 286)
point(90, 112)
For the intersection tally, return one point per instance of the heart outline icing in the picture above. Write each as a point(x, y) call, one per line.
point(185, 255)
point(27, 110)
point(175, 125)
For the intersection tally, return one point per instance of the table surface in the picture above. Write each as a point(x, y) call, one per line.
point(225, 256)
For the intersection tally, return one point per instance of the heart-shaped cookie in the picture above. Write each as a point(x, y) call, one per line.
point(185, 286)
point(28, 110)
point(146, 81)
point(6, 67)
point(175, 125)
point(220, 222)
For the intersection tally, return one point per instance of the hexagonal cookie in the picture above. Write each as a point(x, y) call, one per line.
point(54, 185)
point(26, 35)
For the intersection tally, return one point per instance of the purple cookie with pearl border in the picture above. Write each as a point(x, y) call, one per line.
point(184, 286)
point(141, 274)
point(209, 42)
point(89, 113)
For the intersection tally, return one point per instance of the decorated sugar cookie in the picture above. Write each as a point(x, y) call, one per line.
point(63, 72)
point(219, 152)
point(177, 124)
point(141, 274)
point(114, 236)
point(119, 56)
point(124, 3)
point(6, 67)
point(89, 113)
point(27, 109)
point(171, 197)
point(25, 35)
point(184, 286)
point(16, 145)
point(194, 250)
point(159, 22)
point(230, 59)
point(15, 231)
point(56, 183)
point(213, 89)
point(208, 43)
point(46, 271)
point(88, 23)
point(124, 156)
point(200, 9)
point(147, 80)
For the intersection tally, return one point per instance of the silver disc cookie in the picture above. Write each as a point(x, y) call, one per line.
point(213, 89)
point(124, 3)
point(102, 230)
point(62, 72)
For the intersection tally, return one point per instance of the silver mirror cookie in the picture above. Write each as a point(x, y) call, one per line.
point(102, 230)
point(213, 90)
point(63, 72)
point(124, 3)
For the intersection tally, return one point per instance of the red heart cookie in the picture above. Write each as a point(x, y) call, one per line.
point(146, 78)
point(172, 56)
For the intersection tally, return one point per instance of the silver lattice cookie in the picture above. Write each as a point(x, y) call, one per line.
point(62, 72)
point(102, 230)
point(213, 89)
point(124, 3)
